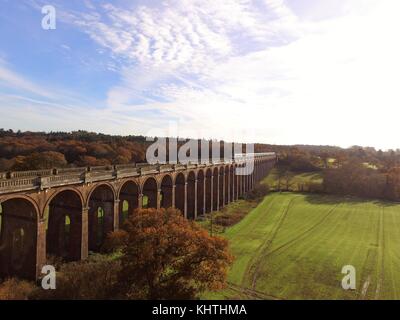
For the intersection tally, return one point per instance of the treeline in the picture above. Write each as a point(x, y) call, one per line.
point(39, 150)
point(356, 171)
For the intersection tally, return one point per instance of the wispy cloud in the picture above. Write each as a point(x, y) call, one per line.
point(11, 79)
point(221, 67)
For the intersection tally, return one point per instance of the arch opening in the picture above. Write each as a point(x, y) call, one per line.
point(150, 191)
point(166, 192)
point(129, 201)
point(235, 184)
point(200, 193)
point(191, 196)
point(240, 182)
point(101, 216)
point(180, 192)
point(18, 238)
point(221, 188)
point(64, 226)
point(232, 184)
point(208, 181)
point(215, 189)
point(227, 185)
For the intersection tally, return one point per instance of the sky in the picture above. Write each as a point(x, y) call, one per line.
point(268, 71)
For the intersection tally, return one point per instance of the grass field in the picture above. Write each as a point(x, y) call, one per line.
point(293, 246)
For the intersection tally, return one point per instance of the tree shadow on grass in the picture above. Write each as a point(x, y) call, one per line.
point(337, 199)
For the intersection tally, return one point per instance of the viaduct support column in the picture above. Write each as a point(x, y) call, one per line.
point(40, 246)
point(140, 201)
point(218, 197)
point(204, 195)
point(116, 214)
point(233, 184)
point(223, 189)
point(158, 199)
point(85, 233)
point(212, 192)
point(173, 195)
point(185, 202)
point(195, 199)
point(228, 187)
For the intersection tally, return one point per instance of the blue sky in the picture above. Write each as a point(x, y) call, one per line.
point(274, 71)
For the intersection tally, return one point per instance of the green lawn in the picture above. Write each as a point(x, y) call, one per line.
point(293, 246)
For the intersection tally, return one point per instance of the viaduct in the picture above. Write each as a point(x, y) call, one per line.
point(68, 212)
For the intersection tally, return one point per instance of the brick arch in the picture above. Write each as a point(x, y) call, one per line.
point(164, 175)
point(227, 184)
point(180, 185)
point(144, 180)
point(221, 189)
point(124, 182)
point(178, 173)
point(96, 186)
point(64, 224)
point(101, 203)
point(191, 194)
point(201, 195)
point(215, 177)
point(166, 187)
point(240, 182)
point(208, 190)
point(18, 246)
point(235, 182)
point(23, 197)
point(72, 189)
point(149, 189)
point(128, 195)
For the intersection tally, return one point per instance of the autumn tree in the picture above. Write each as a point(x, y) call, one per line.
point(40, 160)
point(393, 183)
point(169, 257)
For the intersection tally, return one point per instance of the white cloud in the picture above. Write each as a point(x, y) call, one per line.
point(334, 85)
point(221, 67)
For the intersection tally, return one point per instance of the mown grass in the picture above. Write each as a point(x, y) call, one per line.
point(293, 246)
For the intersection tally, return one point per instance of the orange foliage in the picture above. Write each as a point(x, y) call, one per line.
point(169, 257)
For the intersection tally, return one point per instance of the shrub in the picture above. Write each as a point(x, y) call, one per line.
point(229, 219)
point(94, 279)
point(15, 289)
point(115, 241)
point(260, 191)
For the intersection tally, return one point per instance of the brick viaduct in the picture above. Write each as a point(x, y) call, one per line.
point(68, 212)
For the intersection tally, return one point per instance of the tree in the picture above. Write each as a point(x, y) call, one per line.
point(280, 173)
point(287, 178)
point(169, 257)
point(393, 183)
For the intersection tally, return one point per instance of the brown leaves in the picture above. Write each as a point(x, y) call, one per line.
point(169, 257)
